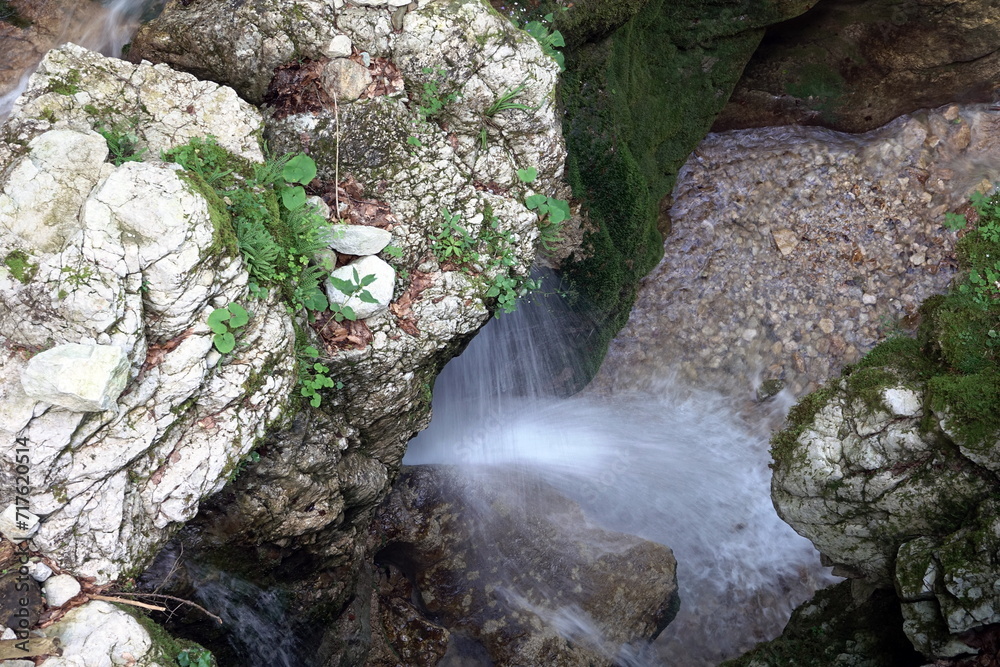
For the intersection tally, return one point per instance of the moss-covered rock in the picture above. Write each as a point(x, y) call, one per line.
point(891, 470)
point(636, 104)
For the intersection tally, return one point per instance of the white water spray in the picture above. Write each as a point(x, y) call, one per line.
point(105, 27)
point(678, 466)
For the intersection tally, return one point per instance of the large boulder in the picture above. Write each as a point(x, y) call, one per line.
point(518, 569)
point(854, 66)
point(891, 469)
point(124, 258)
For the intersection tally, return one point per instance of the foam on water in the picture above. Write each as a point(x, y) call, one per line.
point(680, 466)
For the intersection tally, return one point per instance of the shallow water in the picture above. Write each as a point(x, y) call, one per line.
point(685, 467)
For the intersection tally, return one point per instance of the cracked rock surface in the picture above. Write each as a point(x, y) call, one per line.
point(124, 256)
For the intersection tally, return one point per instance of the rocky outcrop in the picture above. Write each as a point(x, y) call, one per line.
point(516, 569)
point(795, 250)
point(637, 102)
point(29, 28)
point(854, 66)
point(123, 258)
point(891, 469)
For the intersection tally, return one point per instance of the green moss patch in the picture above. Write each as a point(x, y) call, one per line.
point(20, 266)
point(9, 14)
point(800, 417)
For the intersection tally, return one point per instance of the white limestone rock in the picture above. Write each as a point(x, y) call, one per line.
point(381, 288)
point(17, 523)
point(359, 239)
point(60, 589)
point(338, 47)
point(100, 634)
point(132, 265)
point(39, 571)
point(82, 378)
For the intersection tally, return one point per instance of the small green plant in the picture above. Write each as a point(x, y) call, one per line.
point(954, 221)
point(503, 103)
point(432, 102)
point(453, 242)
point(21, 266)
point(314, 376)
point(527, 175)
point(552, 213)
point(548, 38)
point(222, 322)
point(393, 251)
point(77, 277)
point(123, 143)
point(414, 141)
point(66, 85)
point(354, 288)
point(193, 658)
point(503, 286)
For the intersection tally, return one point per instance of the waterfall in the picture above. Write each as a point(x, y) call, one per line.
point(106, 27)
point(682, 466)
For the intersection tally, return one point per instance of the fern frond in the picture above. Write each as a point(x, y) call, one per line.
point(258, 248)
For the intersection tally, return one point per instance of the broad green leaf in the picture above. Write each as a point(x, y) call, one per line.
point(240, 316)
point(534, 201)
point(345, 286)
point(316, 301)
point(367, 297)
point(493, 291)
point(557, 39)
point(527, 175)
point(348, 313)
point(224, 342)
point(310, 351)
point(558, 210)
point(300, 169)
point(216, 321)
point(293, 198)
point(368, 280)
point(315, 400)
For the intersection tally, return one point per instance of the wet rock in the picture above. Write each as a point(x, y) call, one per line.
point(838, 627)
point(854, 66)
point(542, 586)
point(848, 279)
point(20, 601)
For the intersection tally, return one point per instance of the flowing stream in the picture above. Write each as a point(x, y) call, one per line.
point(682, 466)
point(105, 27)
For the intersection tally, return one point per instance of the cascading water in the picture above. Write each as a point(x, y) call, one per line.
point(106, 27)
point(683, 467)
